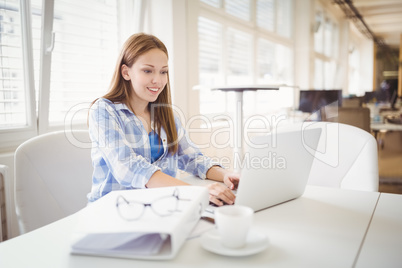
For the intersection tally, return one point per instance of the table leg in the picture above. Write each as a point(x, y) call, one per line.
point(238, 122)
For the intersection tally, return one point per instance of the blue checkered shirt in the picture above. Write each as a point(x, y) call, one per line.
point(121, 151)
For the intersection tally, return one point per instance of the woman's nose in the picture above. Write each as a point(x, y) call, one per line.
point(155, 79)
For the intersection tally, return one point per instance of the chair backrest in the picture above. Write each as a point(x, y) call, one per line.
point(352, 102)
point(354, 116)
point(52, 177)
point(346, 157)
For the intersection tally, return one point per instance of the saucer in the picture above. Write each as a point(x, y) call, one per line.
point(256, 242)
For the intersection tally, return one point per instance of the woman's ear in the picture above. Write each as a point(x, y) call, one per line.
point(124, 72)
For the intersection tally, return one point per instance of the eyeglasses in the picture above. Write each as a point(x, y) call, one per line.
point(163, 206)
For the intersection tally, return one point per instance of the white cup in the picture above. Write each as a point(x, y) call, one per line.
point(233, 223)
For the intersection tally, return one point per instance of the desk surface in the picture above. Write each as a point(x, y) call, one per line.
point(379, 126)
point(323, 228)
point(252, 87)
point(383, 243)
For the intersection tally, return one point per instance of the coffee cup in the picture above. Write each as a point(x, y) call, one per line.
point(233, 224)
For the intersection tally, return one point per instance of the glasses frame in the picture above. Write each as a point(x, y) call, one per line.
point(122, 200)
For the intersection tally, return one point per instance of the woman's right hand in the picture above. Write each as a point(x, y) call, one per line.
point(220, 194)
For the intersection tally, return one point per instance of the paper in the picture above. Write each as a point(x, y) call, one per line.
point(137, 244)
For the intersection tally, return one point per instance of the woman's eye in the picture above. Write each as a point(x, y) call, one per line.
point(147, 71)
point(164, 72)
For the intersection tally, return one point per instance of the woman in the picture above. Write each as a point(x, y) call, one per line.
point(137, 142)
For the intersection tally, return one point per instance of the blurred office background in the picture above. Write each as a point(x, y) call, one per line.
point(57, 56)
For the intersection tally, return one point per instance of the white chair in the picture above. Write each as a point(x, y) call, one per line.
point(52, 177)
point(346, 158)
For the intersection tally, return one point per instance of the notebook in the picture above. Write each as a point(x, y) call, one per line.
point(276, 167)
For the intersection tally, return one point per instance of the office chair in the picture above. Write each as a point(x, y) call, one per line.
point(52, 177)
point(346, 158)
point(354, 116)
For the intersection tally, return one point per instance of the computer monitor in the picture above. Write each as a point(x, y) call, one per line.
point(312, 100)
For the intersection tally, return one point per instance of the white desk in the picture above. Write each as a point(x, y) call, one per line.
point(383, 127)
point(323, 228)
point(383, 244)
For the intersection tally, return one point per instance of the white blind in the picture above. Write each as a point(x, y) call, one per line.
point(284, 18)
point(328, 33)
point(266, 14)
point(266, 61)
point(275, 16)
point(12, 94)
point(239, 57)
point(274, 62)
point(319, 32)
point(238, 8)
point(325, 44)
point(210, 65)
point(84, 55)
point(232, 55)
point(214, 3)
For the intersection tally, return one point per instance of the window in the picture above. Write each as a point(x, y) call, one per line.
point(354, 59)
point(241, 46)
point(84, 54)
point(13, 77)
point(326, 50)
point(238, 8)
point(54, 61)
point(275, 16)
point(210, 65)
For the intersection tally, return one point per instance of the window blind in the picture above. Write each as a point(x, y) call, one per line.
point(214, 3)
point(266, 61)
point(284, 18)
point(238, 8)
point(266, 14)
point(230, 54)
point(210, 65)
point(239, 57)
point(84, 55)
point(12, 93)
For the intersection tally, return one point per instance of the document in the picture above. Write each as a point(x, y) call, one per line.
point(103, 231)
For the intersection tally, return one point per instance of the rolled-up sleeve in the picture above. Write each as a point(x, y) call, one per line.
point(190, 158)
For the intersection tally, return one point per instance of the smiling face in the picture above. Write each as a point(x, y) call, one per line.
point(148, 76)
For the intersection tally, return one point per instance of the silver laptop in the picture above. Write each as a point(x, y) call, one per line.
point(276, 167)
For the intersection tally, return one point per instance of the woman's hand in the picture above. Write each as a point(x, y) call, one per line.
point(231, 180)
point(220, 194)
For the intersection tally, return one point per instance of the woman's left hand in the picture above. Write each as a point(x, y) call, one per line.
point(231, 180)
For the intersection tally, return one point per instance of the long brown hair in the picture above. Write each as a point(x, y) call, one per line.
point(120, 90)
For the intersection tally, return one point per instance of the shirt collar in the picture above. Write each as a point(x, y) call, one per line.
point(121, 106)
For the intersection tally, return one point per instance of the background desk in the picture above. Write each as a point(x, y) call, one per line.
point(379, 130)
point(238, 116)
point(323, 228)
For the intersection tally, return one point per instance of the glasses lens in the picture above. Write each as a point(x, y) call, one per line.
point(130, 210)
point(165, 206)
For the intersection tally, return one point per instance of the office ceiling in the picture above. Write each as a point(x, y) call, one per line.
point(383, 17)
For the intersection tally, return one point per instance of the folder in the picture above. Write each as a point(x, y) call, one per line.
point(102, 230)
